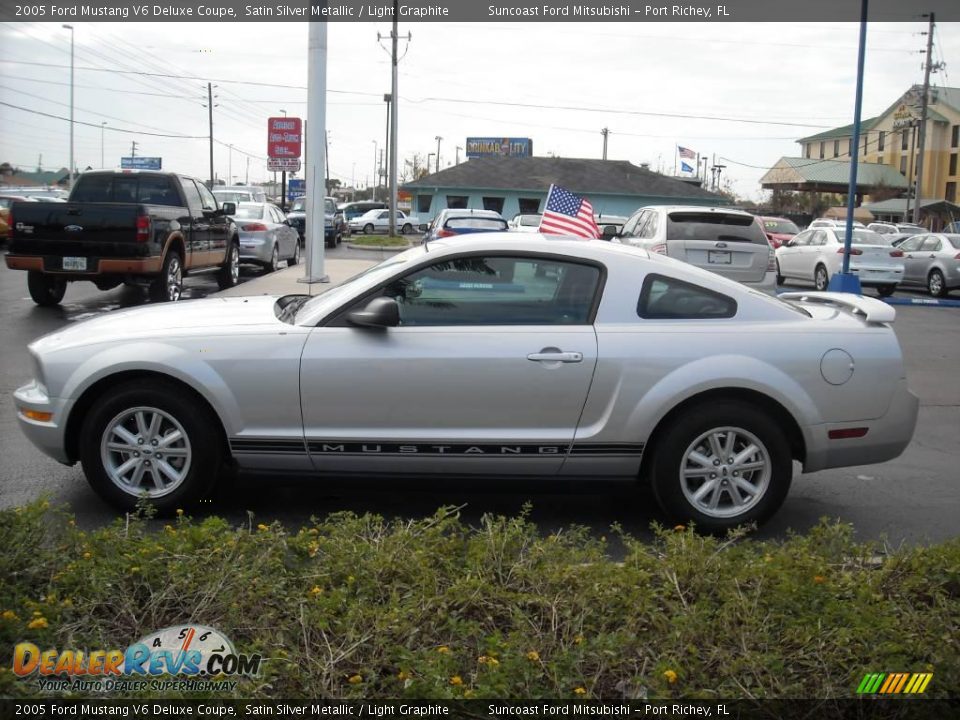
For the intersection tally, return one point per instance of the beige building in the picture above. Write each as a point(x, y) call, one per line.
point(892, 137)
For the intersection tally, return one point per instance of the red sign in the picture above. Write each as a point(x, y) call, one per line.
point(284, 137)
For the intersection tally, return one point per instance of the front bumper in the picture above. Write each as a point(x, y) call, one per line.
point(48, 436)
point(887, 436)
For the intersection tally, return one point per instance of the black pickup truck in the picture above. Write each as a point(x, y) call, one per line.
point(139, 228)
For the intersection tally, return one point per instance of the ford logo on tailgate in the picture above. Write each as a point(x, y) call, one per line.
point(73, 228)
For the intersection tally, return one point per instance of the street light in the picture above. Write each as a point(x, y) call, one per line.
point(284, 112)
point(72, 163)
point(102, 126)
point(438, 139)
point(429, 155)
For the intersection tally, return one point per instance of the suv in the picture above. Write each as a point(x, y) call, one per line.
point(333, 225)
point(725, 241)
point(462, 221)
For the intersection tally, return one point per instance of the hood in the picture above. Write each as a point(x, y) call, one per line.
point(209, 317)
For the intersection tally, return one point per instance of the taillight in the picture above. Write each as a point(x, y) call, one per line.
point(853, 251)
point(443, 232)
point(896, 253)
point(143, 228)
point(254, 227)
point(659, 248)
point(955, 257)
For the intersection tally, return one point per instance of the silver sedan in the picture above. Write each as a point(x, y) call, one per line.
point(932, 261)
point(459, 358)
point(266, 236)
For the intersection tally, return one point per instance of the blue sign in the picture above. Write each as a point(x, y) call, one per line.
point(478, 147)
point(140, 163)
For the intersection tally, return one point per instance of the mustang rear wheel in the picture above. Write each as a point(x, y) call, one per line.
point(150, 441)
point(722, 465)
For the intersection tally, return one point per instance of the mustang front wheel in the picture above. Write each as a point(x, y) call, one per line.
point(152, 442)
point(722, 465)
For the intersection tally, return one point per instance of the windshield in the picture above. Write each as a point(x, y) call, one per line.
point(778, 225)
point(688, 225)
point(476, 223)
point(231, 196)
point(249, 212)
point(329, 206)
point(299, 205)
point(910, 230)
point(864, 237)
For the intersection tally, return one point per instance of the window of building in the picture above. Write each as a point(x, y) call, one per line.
point(666, 298)
point(822, 144)
point(953, 165)
point(457, 202)
point(493, 203)
point(903, 165)
point(865, 143)
point(423, 203)
point(904, 140)
point(836, 148)
point(806, 154)
point(529, 206)
point(955, 136)
point(850, 147)
point(951, 194)
point(880, 138)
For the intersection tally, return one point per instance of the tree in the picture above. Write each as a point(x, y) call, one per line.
point(414, 168)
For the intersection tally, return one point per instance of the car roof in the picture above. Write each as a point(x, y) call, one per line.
point(473, 212)
point(698, 208)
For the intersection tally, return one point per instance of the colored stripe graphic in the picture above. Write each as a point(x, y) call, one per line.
point(894, 683)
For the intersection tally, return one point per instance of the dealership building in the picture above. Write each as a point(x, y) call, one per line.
point(519, 185)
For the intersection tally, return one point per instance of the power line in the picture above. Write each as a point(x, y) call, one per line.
point(109, 128)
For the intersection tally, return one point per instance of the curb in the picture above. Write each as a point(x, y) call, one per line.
point(383, 248)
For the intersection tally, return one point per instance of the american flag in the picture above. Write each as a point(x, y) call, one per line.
point(686, 153)
point(568, 214)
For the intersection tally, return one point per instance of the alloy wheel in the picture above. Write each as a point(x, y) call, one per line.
point(146, 451)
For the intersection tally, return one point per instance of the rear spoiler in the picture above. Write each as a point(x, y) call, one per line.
point(871, 309)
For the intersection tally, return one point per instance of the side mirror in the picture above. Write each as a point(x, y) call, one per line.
point(609, 232)
point(381, 312)
point(229, 208)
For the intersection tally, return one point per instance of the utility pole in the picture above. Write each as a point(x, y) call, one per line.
point(605, 132)
point(458, 154)
point(373, 195)
point(326, 155)
point(230, 165)
point(392, 98)
point(246, 179)
point(913, 149)
point(72, 161)
point(438, 139)
point(316, 152)
point(102, 126)
point(210, 112)
point(133, 148)
point(928, 67)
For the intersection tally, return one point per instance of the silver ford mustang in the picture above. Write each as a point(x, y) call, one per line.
point(498, 354)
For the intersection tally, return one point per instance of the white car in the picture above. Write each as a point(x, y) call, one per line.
point(525, 223)
point(379, 221)
point(458, 358)
point(728, 242)
point(816, 255)
point(832, 223)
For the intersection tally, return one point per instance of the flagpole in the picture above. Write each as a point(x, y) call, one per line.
point(545, 203)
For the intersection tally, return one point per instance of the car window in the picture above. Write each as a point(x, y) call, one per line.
point(497, 290)
point(649, 229)
point(802, 239)
point(777, 225)
point(329, 206)
point(955, 241)
point(697, 225)
point(666, 298)
point(207, 199)
point(249, 212)
point(193, 196)
point(818, 238)
point(630, 226)
point(475, 223)
point(931, 244)
point(913, 243)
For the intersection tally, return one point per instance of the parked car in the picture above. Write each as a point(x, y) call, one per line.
point(525, 223)
point(832, 223)
point(136, 227)
point(777, 229)
point(6, 202)
point(53, 194)
point(379, 221)
point(901, 229)
point(621, 364)
point(722, 240)
point(353, 210)
point(333, 224)
point(815, 255)
point(932, 261)
point(239, 193)
point(463, 221)
point(610, 225)
point(266, 236)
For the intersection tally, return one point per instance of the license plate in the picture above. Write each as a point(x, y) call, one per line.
point(74, 263)
point(718, 257)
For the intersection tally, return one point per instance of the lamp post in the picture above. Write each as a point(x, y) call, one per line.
point(373, 195)
point(438, 139)
point(102, 126)
point(72, 163)
point(458, 154)
point(429, 155)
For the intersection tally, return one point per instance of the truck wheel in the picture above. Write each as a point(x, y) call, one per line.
point(229, 274)
point(168, 287)
point(45, 290)
point(721, 465)
point(150, 440)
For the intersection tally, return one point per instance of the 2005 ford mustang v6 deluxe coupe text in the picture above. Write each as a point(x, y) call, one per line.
point(495, 355)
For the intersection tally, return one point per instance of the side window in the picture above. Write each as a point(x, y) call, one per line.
point(207, 200)
point(819, 238)
point(630, 226)
point(802, 239)
point(157, 191)
point(913, 243)
point(650, 229)
point(931, 244)
point(666, 298)
point(385, 215)
point(497, 291)
point(193, 196)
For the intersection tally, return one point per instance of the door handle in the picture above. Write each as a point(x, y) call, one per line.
point(556, 356)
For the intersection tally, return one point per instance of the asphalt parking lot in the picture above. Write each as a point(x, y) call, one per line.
point(912, 499)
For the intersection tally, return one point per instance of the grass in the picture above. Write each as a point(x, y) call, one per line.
point(361, 607)
point(378, 241)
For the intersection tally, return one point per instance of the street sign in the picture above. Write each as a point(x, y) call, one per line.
point(283, 164)
point(284, 137)
point(297, 186)
point(141, 163)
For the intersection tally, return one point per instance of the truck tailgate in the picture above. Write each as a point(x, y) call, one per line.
point(74, 229)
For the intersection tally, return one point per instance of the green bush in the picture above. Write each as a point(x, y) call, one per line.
point(378, 241)
point(361, 607)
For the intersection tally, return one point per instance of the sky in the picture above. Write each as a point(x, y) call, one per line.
point(756, 88)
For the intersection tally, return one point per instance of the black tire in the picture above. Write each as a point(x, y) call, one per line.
point(200, 449)
point(295, 260)
point(274, 264)
point(936, 285)
point(229, 273)
point(780, 278)
point(406, 229)
point(45, 290)
point(753, 426)
point(821, 278)
point(885, 290)
point(168, 285)
point(368, 229)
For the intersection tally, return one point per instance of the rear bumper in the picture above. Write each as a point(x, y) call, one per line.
point(255, 249)
point(887, 436)
point(878, 275)
point(767, 285)
point(95, 266)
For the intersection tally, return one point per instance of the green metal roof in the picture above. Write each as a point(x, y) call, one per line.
point(793, 170)
point(899, 205)
point(842, 132)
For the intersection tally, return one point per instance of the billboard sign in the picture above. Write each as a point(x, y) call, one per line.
point(478, 147)
point(903, 117)
point(140, 163)
point(296, 187)
point(284, 137)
